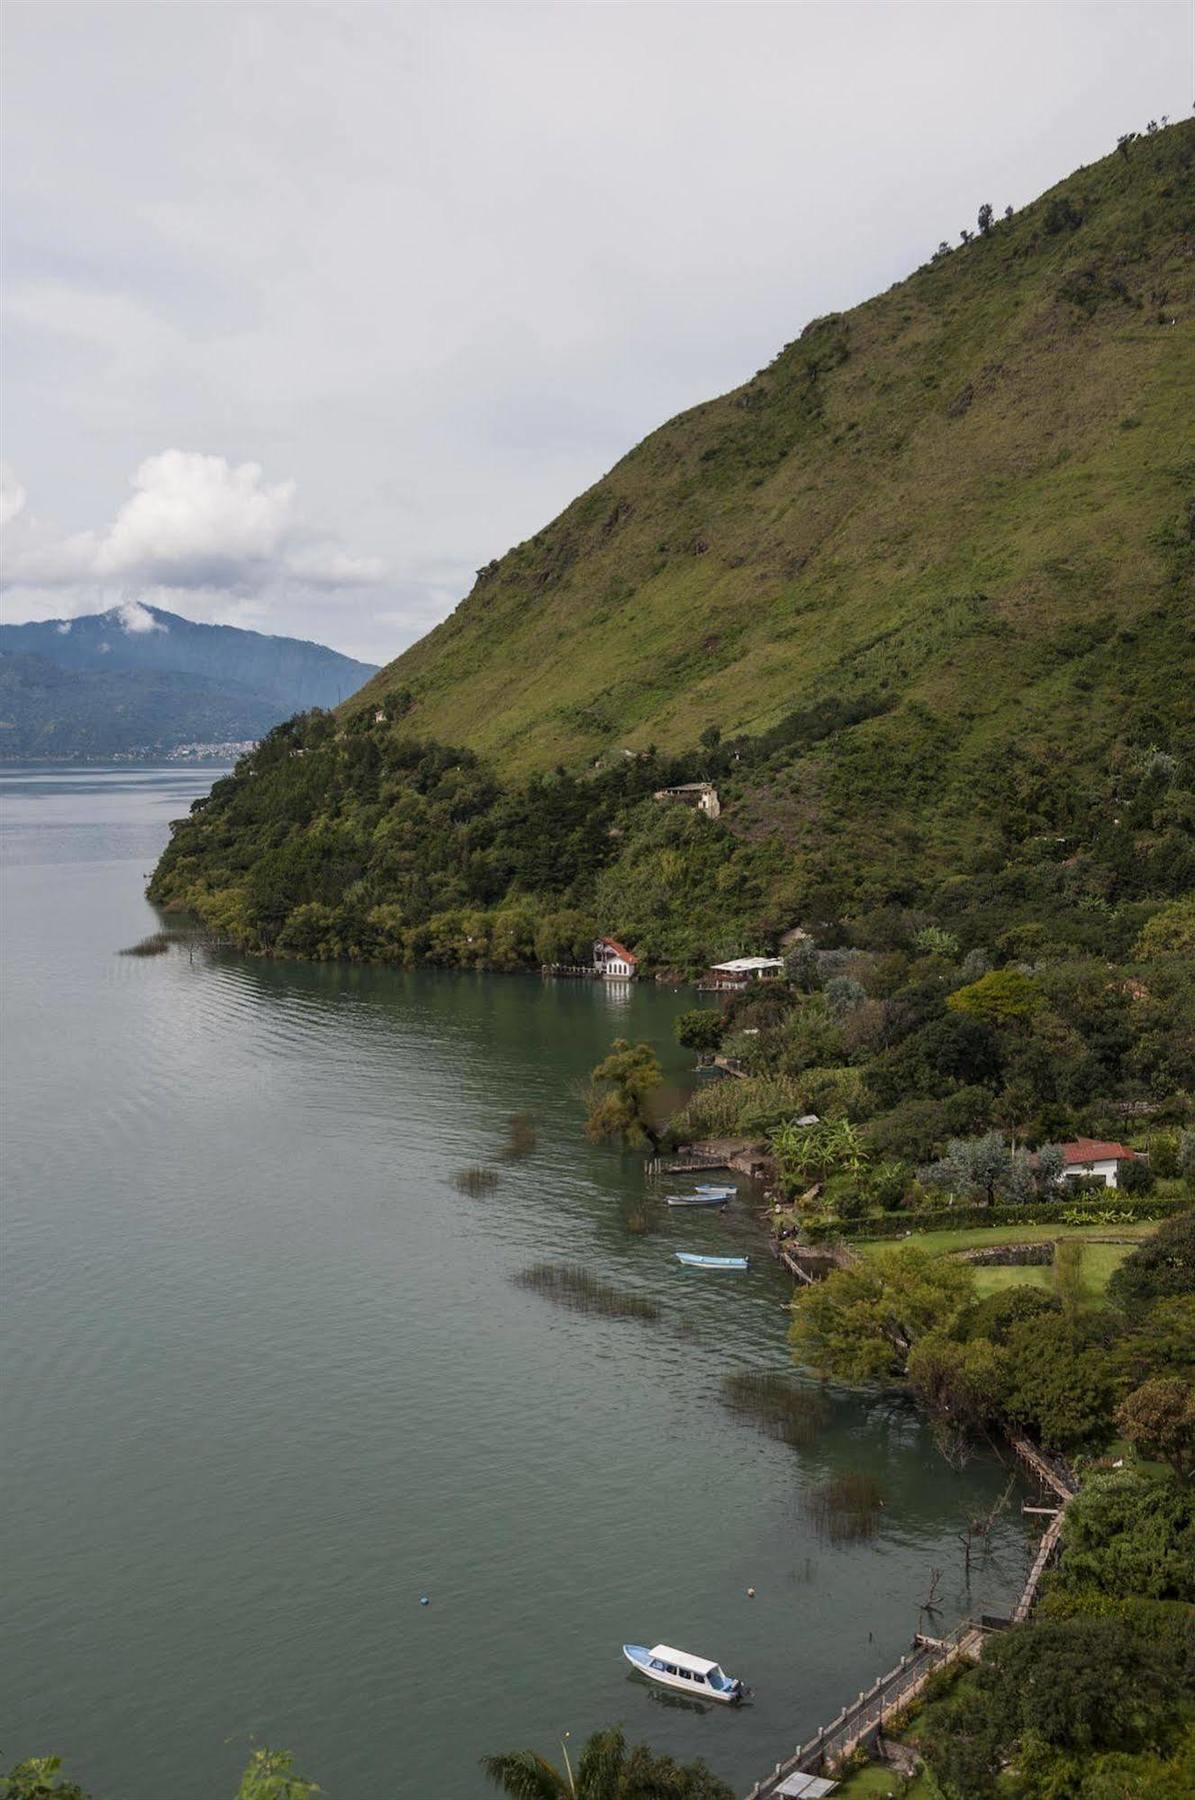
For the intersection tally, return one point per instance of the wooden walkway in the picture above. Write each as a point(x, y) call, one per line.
point(686, 1163)
point(858, 1724)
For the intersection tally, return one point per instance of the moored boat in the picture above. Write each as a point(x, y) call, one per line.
point(707, 1187)
point(693, 1261)
point(718, 1197)
point(692, 1675)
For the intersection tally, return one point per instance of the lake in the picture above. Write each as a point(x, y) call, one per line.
point(268, 1379)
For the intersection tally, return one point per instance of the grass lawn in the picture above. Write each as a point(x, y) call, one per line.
point(1099, 1260)
point(877, 1781)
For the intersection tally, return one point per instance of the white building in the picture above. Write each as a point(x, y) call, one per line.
point(1092, 1156)
point(612, 960)
point(743, 969)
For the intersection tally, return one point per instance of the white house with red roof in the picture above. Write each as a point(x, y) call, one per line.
point(612, 960)
point(1094, 1156)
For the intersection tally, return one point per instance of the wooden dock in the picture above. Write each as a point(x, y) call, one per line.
point(860, 1723)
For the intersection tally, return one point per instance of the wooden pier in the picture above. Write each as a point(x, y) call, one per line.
point(686, 1163)
point(861, 1722)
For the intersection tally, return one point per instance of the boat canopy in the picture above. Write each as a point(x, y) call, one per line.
point(696, 1665)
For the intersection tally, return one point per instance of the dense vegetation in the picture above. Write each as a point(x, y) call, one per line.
point(270, 1775)
point(933, 651)
point(604, 1768)
point(1095, 1698)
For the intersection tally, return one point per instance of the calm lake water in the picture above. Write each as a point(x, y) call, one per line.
point(268, 1380)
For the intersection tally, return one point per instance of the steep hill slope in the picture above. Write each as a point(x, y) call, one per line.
point(922, 592)
point(138, 680)
point(945, 495)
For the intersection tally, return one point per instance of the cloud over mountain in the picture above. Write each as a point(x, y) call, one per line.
point(193, 522)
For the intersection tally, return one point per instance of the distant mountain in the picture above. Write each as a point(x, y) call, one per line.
point(140, 681)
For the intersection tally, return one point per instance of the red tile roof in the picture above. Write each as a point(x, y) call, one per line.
point(1085, 1150)
point(619, 949)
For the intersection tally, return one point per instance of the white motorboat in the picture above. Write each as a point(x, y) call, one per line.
point(691, 1675)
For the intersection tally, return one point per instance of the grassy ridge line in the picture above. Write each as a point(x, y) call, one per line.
point(1012, 421)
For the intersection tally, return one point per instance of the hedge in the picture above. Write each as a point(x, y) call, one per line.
point(1131, 1209)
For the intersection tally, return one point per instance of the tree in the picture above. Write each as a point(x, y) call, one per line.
point(1062, 1381)
point(932, 940)
point(271, 1776)
point(37, 1778)
point(700, 1030)
point(606, 1770)
point(961, 1384)
point(1003, 997)
point(979, 1165)
point(1158, 1418)
point(1051, 1161)
point(628, 1076)
point(1070, 1686)
point(985, 217)
point(1164, 1264)
point(711, 737)
point(1170, 932)
point(806, 1152)
point(1162, 1342)
point(861, 1322)
point(1130, 1532)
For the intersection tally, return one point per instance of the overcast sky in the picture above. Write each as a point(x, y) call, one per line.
point(311, 310)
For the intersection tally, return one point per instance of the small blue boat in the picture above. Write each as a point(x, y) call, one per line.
point(692, 1261)
point(725, 1193)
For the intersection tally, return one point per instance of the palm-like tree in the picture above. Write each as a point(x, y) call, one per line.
point(606, 1770)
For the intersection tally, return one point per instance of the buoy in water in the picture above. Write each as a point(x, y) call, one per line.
point(423, 1600)
point(750, 1593)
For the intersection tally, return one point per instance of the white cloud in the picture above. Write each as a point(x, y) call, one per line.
point(12, 496)
point(441, 265)
point(135, 618)
point(194, 523)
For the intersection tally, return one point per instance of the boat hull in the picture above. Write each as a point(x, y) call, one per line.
point(692, 1261)
point(717, 1200)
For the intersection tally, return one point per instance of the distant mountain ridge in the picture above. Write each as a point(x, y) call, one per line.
point(137, 680)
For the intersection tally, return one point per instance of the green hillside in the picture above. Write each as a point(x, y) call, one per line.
point(957, 494)
point(922, 591)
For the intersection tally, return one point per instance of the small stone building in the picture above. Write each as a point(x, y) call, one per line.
point(701, 795)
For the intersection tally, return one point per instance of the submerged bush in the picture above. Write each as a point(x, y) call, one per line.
point(476, 1182)
point(845, 1509)
point(569, 1284)
point(793, 1414)
point(156, 944)
point(520, 1137)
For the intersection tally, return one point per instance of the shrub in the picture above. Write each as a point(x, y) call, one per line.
point(1135, 1177)
point(1044, 1212)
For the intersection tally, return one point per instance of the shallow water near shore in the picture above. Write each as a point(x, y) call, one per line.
point(268, 1377)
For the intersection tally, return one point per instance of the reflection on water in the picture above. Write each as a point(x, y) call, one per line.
point(268, 1378)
